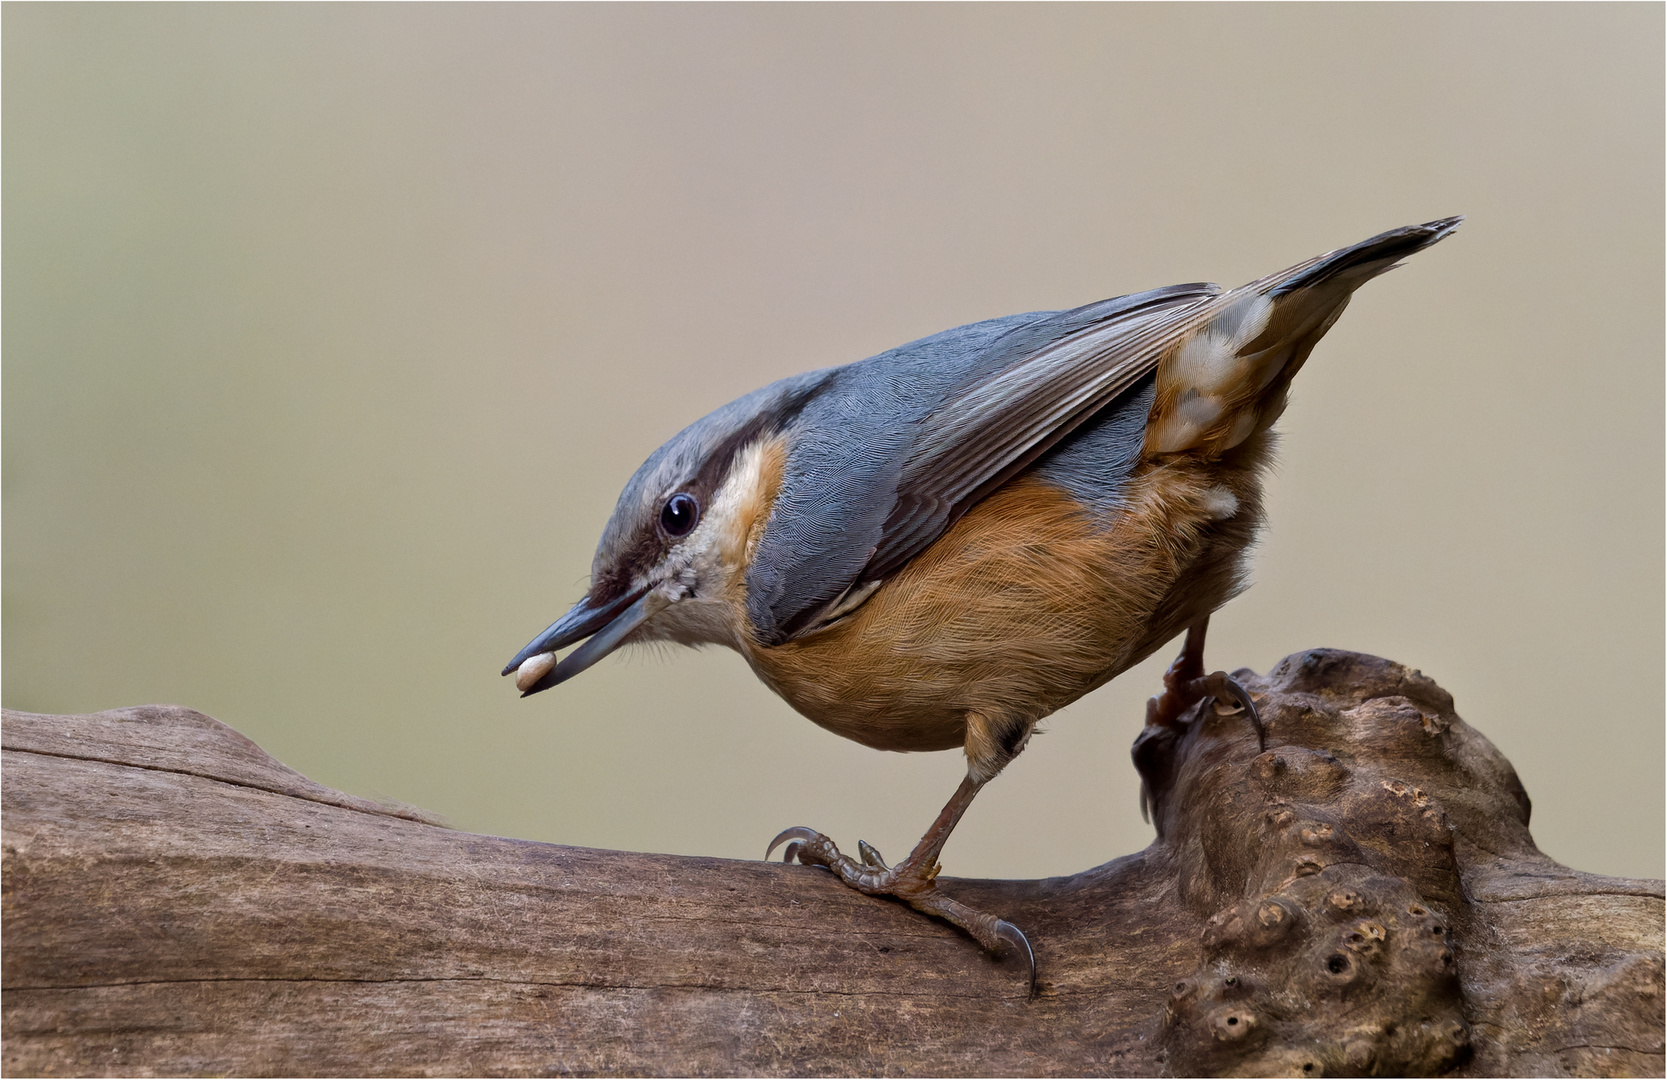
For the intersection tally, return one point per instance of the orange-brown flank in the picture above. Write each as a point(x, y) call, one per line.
point(1024, 605)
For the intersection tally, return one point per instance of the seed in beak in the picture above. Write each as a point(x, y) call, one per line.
point(532, 669)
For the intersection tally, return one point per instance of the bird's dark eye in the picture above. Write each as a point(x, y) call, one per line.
point(679, 514)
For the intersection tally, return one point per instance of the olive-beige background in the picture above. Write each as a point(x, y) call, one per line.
point(331, 333)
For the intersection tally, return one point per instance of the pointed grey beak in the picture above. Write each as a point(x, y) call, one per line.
point(606, 626)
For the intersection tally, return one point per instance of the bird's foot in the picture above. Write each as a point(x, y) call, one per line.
point(1220, 688)
point(1185, 685)
point(913, 881)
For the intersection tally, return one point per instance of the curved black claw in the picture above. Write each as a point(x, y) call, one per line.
point(1016, 938)
point(1222, 685)
point(799, 834)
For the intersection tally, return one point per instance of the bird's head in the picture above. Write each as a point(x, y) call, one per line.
point(672, 561)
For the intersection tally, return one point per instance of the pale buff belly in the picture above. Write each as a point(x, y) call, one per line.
point(1023, 606)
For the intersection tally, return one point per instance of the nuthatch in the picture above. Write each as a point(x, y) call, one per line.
point(940, 545)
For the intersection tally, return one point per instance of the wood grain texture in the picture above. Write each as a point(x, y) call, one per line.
point(176, 902)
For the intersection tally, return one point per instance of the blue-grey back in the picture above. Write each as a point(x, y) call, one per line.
point(849, 445)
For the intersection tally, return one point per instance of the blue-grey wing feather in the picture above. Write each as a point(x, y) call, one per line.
point(892, 450)
point(1053, 376)
point(1094, 462)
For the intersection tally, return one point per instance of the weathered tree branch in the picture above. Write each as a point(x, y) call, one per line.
point(1364, 897)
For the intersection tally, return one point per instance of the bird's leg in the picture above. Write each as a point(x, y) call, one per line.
point(1185, 685)
point(914, 880)
point(1168, 706)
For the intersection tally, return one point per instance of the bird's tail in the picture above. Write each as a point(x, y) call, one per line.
point(1227, 380)
point(1364, 261)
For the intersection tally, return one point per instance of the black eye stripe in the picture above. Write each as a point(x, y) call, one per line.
point(680, 514)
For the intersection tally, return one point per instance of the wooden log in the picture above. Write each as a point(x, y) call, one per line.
point(1362, 898)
